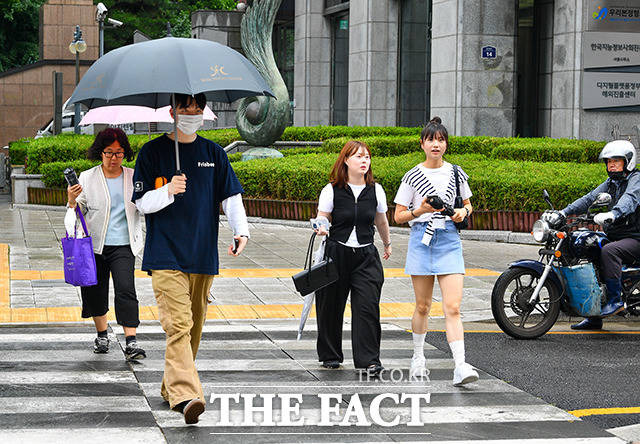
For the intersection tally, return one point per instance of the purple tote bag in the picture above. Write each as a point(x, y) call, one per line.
point(79, 261)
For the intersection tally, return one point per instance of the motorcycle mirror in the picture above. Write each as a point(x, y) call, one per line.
point(547, 199)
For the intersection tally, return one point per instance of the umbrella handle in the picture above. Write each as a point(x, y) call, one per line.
point(175, 196)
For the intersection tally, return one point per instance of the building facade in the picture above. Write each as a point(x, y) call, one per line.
point(26, 92)
point(556, 68)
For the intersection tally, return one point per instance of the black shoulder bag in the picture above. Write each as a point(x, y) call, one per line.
point(315, 277)
point(458, 202)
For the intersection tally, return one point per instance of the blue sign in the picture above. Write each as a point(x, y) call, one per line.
point(489, 52)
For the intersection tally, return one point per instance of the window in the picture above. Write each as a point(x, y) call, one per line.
point(340, 69)
point(414, 63)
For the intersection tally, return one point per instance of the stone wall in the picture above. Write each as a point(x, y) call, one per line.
point(27, 98)
point(373, 59)
point(26, 93)
point(312, 71)
point(58, 20)
point(474, 96)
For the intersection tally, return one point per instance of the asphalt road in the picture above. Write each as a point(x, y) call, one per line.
point(570, 371)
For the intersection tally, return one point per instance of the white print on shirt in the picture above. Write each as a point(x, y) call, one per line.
point(206, 164)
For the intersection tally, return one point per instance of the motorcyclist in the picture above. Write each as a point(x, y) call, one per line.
point(621, 223)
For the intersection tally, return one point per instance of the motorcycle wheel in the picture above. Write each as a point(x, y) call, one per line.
point(510, 304)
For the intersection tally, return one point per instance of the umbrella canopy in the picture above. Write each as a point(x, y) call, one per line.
point(147, 73)
point(115, 115)
point(150, 73)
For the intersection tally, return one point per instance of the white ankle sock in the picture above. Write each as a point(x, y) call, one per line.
point(457, 350)
point(418, 344)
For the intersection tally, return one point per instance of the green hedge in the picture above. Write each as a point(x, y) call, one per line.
point(549, 150)
point(52, 172)
point(383, 141)
point(18, 151)
point(65, 148)
point(496, 184)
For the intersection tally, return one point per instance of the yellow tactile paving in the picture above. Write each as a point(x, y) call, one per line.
point(150, 312)
point(5, 284)
point(25, 275)
point(32, 275)
point(296, 310)
point(479, 272)
point(52, 274)
point(272, 311)
point(238, 311)
point(146, 314)
point(28, 315)
point(5, 314)
point(63, 314)
point(213, 312)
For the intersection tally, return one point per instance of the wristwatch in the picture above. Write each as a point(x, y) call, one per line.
point(468, 212)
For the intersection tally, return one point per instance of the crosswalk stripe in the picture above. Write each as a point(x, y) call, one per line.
point(60, 394)
point(130, 435)
point(70, 405)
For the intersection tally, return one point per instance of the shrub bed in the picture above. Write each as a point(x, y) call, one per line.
point(67, 148)
point(531, 149)
point(549, 150)
point(496, 184)
point(52, 172)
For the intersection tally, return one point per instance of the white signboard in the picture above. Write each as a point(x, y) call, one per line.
point(610, 89)
point(613, 15)
point(610, 49)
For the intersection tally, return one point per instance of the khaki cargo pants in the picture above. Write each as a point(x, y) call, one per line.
point(182, 310)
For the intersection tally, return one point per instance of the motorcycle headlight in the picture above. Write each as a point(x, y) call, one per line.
point(540, 231)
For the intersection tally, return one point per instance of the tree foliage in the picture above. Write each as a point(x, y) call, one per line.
point(19, 23)
point(151, 17)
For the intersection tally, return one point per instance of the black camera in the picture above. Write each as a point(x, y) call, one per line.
point(437, 203)
point(70, 175)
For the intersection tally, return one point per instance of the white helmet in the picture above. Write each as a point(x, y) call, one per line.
point(622, 149)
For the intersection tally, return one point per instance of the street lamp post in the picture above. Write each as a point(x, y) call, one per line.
point(77, 46)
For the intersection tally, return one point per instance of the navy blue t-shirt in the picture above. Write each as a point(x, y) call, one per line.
point(184, 235)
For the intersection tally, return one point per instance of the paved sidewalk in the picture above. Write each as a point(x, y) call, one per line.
point(255, 285)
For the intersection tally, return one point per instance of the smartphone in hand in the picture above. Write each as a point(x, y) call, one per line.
point(71, 176)
point(236, 243)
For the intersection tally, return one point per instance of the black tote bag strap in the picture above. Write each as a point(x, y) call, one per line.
point(308, 261)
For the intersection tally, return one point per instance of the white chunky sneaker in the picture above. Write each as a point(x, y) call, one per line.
point(418, 367)
point(464, 374)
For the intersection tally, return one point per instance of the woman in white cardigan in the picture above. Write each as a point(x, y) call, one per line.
point(115, 224)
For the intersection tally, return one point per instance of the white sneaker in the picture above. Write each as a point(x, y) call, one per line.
point(464, 374)
point(418, 367)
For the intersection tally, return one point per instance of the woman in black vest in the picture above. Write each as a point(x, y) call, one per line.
point(354, 204)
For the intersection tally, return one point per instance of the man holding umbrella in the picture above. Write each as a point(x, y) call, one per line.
point(181, 254)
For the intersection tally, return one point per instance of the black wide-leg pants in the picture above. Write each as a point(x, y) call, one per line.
point(360, 273)
point(119, 262)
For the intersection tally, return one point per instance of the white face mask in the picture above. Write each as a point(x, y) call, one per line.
point(189, 124)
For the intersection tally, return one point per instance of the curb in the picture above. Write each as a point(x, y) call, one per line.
point(507, 237)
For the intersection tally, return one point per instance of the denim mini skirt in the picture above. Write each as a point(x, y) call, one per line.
point(442, 256)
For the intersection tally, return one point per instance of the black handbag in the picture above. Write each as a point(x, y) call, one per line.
point(458, 202)
point(315, 277)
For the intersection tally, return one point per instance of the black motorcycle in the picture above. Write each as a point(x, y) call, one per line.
point(527, 298)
